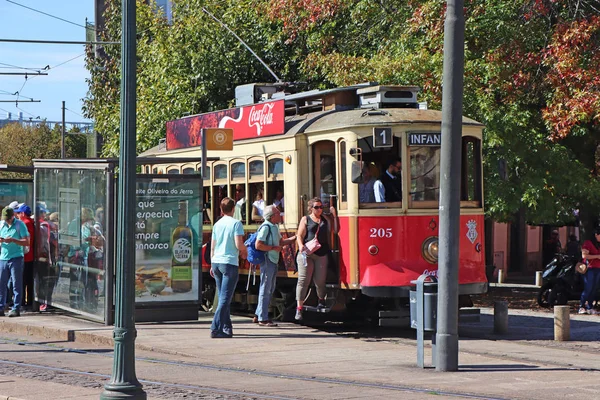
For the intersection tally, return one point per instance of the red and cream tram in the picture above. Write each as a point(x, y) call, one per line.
point(326, 143)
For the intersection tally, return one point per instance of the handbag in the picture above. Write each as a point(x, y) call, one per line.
point(581, 268)
point(313, 244)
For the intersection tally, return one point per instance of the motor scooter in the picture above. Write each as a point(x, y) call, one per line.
point(560, 282)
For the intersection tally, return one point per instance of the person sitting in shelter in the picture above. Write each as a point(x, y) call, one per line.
point(388, 188)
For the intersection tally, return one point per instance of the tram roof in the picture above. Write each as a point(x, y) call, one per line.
point(339, 119)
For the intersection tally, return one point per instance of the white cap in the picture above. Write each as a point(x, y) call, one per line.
point(13, 205)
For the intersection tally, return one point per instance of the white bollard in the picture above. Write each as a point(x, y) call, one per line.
point(538, 278)
point(562, 323)
point(501, 317)
point(500, 275)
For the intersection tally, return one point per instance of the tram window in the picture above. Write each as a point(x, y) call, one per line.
point(173, 171)
point(275, 166)
point(220, 192)
point(471, 173)
point(238, 193)
point(207, 172)
point(206, 204)
point(375, 163)
point(256, 168)
point(425, 174)
point(155, 170)
point(324, 172)
point(220, 172)
point(238, 170)
point(188, 170)
point(343, 177)
point(275, 191)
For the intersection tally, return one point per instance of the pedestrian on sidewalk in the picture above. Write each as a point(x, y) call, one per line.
point(13, 238)
point(591, 279)
point(269, 239)
point(227, 245)
point(23, 212)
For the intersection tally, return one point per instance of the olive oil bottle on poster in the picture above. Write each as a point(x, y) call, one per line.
point(182, 253)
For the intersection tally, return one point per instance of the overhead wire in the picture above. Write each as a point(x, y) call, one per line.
point(74, 112)
point(49, 15)
point(17, 67)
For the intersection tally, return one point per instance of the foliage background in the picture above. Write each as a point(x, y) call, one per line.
point(530, 76)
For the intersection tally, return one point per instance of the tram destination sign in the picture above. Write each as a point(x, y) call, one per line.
point(382, 137)
point(424, 139)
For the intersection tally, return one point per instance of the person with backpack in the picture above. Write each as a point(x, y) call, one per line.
point(13, 238)
point(269, 240)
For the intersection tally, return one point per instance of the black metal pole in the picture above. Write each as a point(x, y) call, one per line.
point(123, 383)
point(452, 94)
point(62, 134)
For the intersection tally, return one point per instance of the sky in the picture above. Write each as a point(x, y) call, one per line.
point(64, 82)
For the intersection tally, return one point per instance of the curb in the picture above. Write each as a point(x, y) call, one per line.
point(3, 397)
point(65, 335)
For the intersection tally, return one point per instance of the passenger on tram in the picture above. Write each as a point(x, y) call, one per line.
point(388, 188)
point(240, 205)
point(258, 206)
point(313, 265)
point(366, 193)
point(278, 201)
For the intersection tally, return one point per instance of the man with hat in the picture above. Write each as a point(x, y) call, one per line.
point(23, 212)
point(13, 238)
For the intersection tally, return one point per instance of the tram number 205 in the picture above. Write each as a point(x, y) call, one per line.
point(381, 233)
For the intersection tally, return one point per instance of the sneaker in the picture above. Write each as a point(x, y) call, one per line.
point(220, 335)
point(591, 311)
point(267, 323)
point(255, 320)
point(321, 305)
point(43, 307)
point(14, 313)
point(582, 311)
point(298, 316)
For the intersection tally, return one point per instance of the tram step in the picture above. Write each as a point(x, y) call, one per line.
point(317, 309)
point(403, 322)
point(394, 313)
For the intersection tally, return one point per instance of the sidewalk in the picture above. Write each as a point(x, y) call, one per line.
point(524, 364)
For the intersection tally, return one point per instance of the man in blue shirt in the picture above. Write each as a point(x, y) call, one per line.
point(227, 246)
point(13, 237)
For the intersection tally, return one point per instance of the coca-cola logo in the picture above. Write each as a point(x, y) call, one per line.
point(431, 273)
point(260, 116)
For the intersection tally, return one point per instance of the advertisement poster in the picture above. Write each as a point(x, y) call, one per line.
point(167, 241)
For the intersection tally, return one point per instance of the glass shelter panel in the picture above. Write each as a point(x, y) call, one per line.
point(168, 223)
point(70, 240)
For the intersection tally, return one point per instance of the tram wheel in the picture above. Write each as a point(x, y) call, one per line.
point(283, 305)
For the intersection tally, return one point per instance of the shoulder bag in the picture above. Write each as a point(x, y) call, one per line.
point(581, 267)
point(313, 244)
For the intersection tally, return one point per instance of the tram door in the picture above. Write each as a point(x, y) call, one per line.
point(325, 188)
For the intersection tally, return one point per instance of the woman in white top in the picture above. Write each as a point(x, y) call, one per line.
point(258, 207)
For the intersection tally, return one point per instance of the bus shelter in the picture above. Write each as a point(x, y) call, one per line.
point(76, 239)
point(16, 189)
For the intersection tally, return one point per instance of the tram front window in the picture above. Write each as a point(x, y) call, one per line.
point(425, 174)
point(382, 168)
point(324, 172)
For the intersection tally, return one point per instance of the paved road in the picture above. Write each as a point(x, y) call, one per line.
point(293, 361)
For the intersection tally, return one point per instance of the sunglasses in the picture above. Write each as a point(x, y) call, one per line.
point(318, 207)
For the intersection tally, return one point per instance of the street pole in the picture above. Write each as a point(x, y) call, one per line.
point(62, 133)
point(123, 383)
point(452, 94)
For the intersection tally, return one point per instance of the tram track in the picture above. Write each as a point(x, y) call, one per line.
point(157, 387)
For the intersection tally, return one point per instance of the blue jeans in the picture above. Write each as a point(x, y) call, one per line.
point(226, 276)
point(268, 277)
point(11, 270)
point(591, 283)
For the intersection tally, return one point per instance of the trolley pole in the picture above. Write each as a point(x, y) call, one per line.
point(123, 383)
point(452, 95)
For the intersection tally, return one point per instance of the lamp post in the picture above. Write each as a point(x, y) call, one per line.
point(452, 105)
point(123, 383)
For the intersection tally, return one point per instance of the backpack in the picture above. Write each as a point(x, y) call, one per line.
point(256, 256)
point(18, 224)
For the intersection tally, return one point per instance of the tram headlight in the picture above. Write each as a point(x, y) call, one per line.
point(429, 249)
